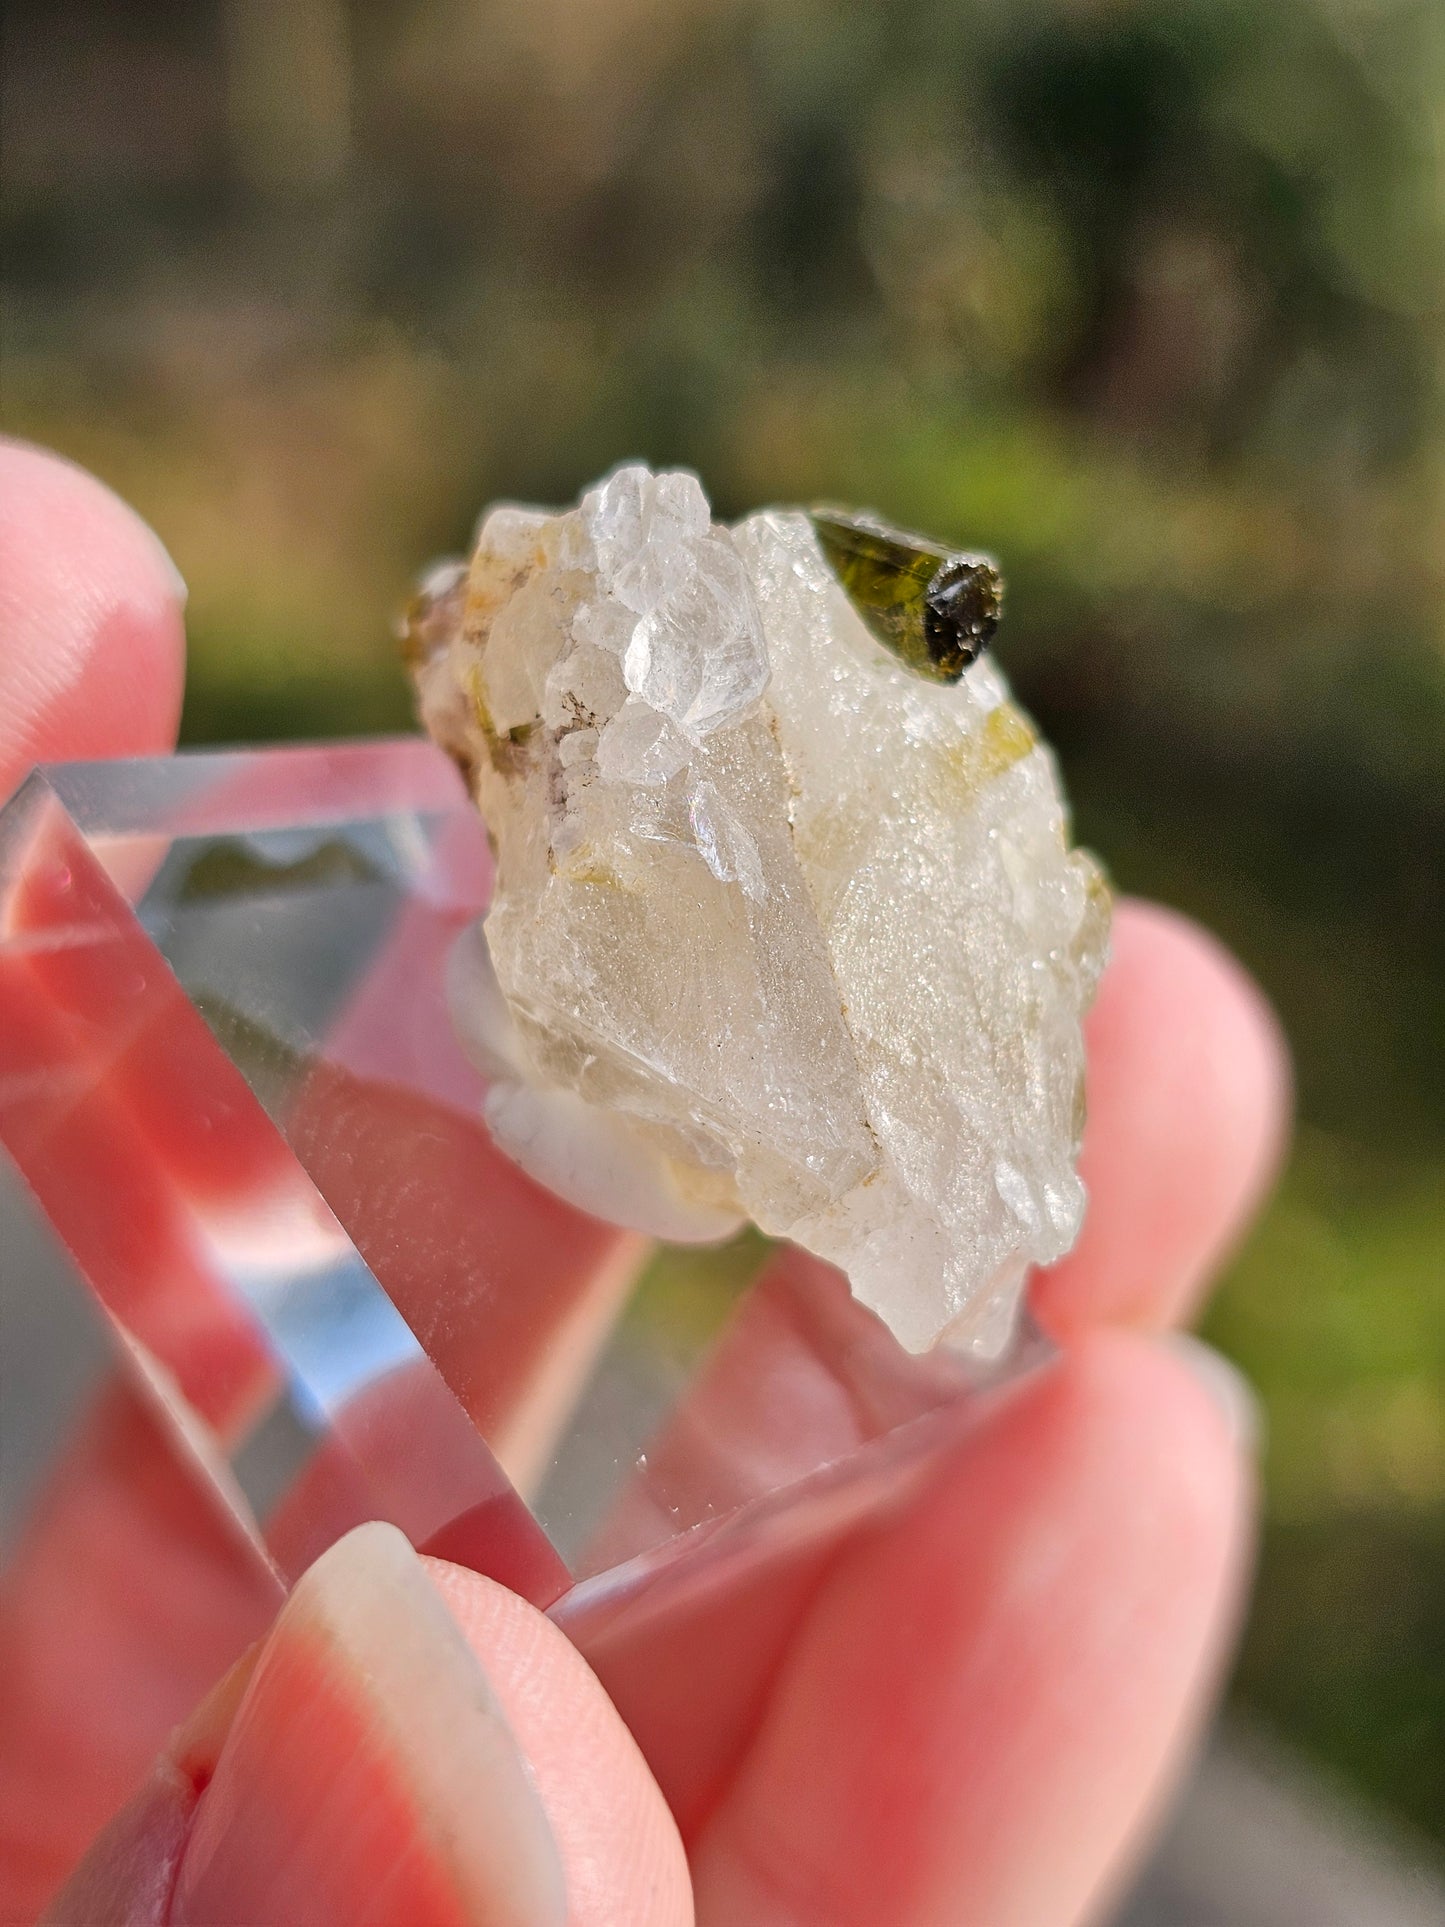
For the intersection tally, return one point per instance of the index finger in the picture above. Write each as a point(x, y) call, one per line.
point(92, 650)
point(1188, 1116)
point(92, 646)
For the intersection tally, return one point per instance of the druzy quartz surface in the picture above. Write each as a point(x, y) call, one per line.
point(786, 926)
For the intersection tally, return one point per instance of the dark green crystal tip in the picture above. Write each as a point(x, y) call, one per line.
point(936, 608)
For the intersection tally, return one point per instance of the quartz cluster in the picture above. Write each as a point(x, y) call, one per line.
point(782, 929)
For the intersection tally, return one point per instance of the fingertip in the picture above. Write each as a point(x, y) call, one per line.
point(1231, 1392)
point(1139, 1395)
point(369, 1773)
point(1133, 1439)
point(1189, 1099)
point(92, 640)
point(995, 1692)
point(619, 1843)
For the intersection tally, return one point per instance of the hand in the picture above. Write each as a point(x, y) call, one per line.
point(969, 1712)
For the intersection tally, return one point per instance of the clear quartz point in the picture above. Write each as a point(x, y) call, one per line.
point(262, 1258)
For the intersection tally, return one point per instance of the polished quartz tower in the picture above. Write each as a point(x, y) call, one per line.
point(267, 1271)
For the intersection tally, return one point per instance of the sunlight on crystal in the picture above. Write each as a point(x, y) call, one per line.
point(798, 925)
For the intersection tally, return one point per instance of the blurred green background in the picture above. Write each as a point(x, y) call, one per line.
point(1148, 298)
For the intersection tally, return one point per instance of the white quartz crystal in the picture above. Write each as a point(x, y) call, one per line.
point(781, 930)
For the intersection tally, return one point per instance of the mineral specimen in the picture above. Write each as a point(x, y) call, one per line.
point(786, 924)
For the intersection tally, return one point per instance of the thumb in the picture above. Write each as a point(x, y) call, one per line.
point(360, 1765)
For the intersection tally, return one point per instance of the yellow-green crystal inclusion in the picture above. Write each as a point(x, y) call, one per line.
point(934, 607)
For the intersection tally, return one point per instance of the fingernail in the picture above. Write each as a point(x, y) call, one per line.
point(1230, 1390)
point(369, 1774)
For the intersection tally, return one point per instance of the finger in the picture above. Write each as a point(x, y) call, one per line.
point(91, 637)
point(987, 1696)
point(619, 1843)
point(376, 1764)
point(131, 1589)
point(1187, 1082)
point(357, 1768)
point(1188, 1113)
point(1187, 1086)
point(89, 595)
point(129, 1592)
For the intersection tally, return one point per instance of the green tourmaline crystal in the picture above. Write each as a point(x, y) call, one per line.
point(936, 608)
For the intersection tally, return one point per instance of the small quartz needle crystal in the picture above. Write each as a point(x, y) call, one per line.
point(787, 925)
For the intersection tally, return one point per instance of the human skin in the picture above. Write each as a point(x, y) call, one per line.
point(971, 1714)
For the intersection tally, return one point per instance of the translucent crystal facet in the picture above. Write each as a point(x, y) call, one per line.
point(259, 1252)
point(783, 929)
point(248, 1199)
point(177, 939)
